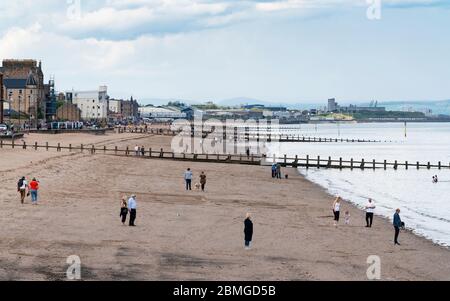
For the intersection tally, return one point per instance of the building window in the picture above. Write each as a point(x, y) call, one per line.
point(20, 91)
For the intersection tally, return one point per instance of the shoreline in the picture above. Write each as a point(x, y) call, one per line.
point(377, 216)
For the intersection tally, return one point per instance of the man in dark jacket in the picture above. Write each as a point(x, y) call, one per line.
point(248, 231)
point(397, 225)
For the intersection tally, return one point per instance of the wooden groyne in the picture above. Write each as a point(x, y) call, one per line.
point(252, 159)
point(340, 163)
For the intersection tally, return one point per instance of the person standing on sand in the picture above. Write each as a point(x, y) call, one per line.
point(188, 178)
point(370, 207)
point(248, 231)
point(397, 225)
point(142, 151)
point(136, 151)
point(132, 206)
point(203, 180)
point(274, 170)
point(34, 187)
point(22, 186)
point(278, 171)
point(336, 210)
point(123, 210)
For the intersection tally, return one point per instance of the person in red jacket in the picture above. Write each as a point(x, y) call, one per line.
point(34, 187)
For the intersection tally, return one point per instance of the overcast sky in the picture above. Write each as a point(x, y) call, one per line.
point(294, 51)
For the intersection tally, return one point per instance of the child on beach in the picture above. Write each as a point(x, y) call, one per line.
point(123, 210)
point(347, 217)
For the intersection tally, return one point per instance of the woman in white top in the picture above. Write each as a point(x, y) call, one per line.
point(336, 209)
point(370, 207)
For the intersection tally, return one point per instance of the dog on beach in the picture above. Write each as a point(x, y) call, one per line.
point(197, 186)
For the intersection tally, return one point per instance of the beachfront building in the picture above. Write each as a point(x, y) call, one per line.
point(68, 112)
point(120, 109)
point(22, 95)
point(93, 104)
point(24, 87)
point(160, 113)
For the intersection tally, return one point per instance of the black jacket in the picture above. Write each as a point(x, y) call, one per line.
point(248, 229)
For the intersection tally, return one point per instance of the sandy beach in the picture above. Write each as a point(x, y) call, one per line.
point(186, 235)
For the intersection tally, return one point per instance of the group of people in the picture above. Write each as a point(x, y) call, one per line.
point(369, 208)
point(26, 189)
point(189, 176)
point(128, 207)
point(139, 151)
point(276, 170)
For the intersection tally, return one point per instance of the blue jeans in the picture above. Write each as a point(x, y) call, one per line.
point(188, 184)
point(34, 196)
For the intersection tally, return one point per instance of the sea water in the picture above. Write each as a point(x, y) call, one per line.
point(425, 206)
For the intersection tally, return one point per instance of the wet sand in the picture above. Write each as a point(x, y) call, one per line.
point(186, 235)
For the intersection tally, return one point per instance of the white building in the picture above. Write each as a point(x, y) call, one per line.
point(160, 113)
point(93, 104)
point(115, 106)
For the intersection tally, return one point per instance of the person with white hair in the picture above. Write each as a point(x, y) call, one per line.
point(132, 206)
point(248, 231)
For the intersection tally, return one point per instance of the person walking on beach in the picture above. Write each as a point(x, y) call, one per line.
point(123, 210)
point(248, 231)
point(203, 180)
point(397, 225)
point(188, 178)
point(278, 171)
point(22, 187)
point(336, 210)
point(274, 170)
point(142, 151)
point(132, 206)
point(34, 187)
point(370, 207)
point(136, 150)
